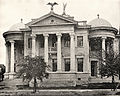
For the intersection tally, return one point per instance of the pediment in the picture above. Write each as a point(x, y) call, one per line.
point(51, 19)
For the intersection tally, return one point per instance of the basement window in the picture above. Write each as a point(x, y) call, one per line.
point(79, 78)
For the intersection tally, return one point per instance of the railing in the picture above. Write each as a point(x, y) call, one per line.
point(52, 49)
point(82, 22)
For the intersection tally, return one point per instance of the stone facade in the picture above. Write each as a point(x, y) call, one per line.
point(68, 46)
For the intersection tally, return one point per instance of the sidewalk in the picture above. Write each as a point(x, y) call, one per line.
point(59, 92)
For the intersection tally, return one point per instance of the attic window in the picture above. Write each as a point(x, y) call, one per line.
point(52, 20)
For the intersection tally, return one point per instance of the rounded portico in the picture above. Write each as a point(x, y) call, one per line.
point(101, 38)
point(14, 48)
point(103, 30)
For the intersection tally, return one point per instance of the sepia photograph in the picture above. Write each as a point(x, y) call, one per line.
point(59, 47)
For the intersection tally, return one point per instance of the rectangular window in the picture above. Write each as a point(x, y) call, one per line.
point(80, 64)
point(54, 41)
point(67, 64)
point(93, 68)
point(54, 65)
point(79, 41)
point(67, 41)
point(29, 42)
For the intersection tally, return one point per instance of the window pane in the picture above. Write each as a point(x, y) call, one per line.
point(80, 64)
point(79, 41)
point(67, 64)
point(54, 65)
point(67, 41)
point(54, 41)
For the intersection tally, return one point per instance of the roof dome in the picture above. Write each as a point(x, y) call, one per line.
point(17, 27)
point(99, 22)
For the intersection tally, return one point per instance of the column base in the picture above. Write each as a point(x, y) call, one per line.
point(10, 75)
point(6, 75)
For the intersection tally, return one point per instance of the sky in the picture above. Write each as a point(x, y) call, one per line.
point(11, 12)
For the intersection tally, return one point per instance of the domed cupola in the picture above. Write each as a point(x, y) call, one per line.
point(17, 27)
point(15, 32)
point(99, 22)
point(101, 27)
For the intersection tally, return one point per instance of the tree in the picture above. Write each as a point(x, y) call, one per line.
point(110, 66)
point(32, 67)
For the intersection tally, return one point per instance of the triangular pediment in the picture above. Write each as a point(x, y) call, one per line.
point(51, 19)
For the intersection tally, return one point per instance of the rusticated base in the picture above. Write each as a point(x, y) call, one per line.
point(60, 79)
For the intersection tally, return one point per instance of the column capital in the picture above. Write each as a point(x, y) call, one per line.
point(104, 37)
point(33, 35)
point(58, 34)
point(45, 34)
point(12, 41)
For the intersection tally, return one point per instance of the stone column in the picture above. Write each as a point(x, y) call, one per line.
point(103, 47)
point(103, 43)
point(116, 46)
point(7, 63)
point(46, 48)
point(33, 45)
point(37, 47)
point(72, 53)
point(25, 44)
point(59, 66)
point(12, 56)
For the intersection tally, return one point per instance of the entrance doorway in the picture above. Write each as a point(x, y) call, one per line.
point(93, 68)
point(54, 65)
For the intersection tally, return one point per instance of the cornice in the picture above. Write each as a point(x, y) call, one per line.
point(84, 26)
point(11, 32)
point(118, 35)
point(53, 24)
point(104, 28)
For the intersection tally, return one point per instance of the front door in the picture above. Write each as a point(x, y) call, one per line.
point(93, 68)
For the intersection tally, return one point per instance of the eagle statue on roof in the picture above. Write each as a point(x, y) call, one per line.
point(52, 4)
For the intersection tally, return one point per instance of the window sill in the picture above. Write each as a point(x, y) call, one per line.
point(79, 47)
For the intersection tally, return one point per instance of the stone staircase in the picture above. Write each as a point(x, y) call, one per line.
point(11, 83)
point(48, 83)
point(14, 84)
point(57, 84)
point(101, 80)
